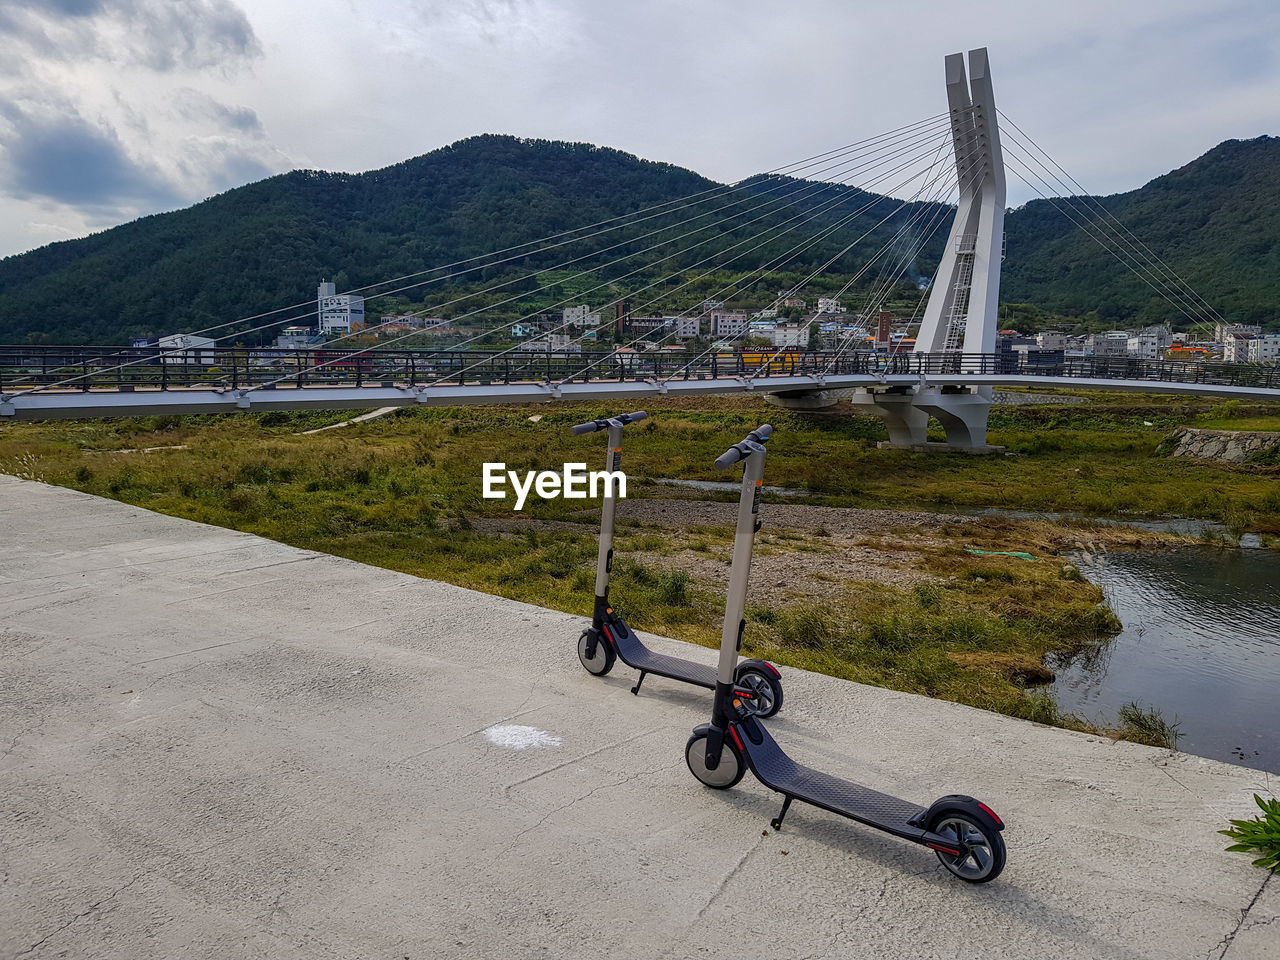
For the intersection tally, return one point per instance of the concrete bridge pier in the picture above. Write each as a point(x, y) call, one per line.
point(907, 424)
point(962, 411)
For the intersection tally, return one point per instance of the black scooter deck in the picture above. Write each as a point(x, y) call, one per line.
point(636, 655)
point(795, 781)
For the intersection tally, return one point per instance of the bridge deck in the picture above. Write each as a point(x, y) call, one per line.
point(219, 746)
point(70, 404)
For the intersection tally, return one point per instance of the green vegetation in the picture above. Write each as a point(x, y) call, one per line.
point(279, 237)
point(1214, 221)
point(1148, 725)
point(1259, 835)
point(403, 492)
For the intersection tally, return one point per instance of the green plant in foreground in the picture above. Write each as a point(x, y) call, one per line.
point(1261, 834)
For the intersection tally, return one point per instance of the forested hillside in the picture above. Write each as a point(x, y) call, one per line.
point(1215, 221)
point(266, 245)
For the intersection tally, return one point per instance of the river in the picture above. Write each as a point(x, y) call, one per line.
point(1201, 642)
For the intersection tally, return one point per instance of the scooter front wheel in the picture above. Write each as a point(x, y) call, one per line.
point(726, 774)
point(986, 855)
point(604, 659)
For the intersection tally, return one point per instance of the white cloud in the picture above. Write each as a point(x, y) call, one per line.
point(1119, 93)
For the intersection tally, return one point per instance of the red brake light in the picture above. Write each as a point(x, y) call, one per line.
point(991, 813)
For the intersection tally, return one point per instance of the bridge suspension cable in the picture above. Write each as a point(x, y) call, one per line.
point(927, 185)
point(821, 186)
point(1124, 246)
point(1133, 239)
point(868, 153)
point(764, 270)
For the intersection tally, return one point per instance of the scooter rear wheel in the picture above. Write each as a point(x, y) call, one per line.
point(766, 692)
point(604, 659)
point(986, 854)
point(726, 774)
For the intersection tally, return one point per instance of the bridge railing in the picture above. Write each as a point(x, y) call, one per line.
point(87, 368)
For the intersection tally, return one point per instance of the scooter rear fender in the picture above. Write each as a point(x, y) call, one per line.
point(958, 803)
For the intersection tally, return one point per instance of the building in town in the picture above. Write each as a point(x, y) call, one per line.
point(338, 313)
point(1150, 343)
point(725, 324)
point(1265, 348)
point(582, 316)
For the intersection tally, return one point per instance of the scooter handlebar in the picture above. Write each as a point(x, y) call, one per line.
point(603, 422)
point(740, 451)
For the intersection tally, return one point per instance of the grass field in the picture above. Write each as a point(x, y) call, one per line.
point(404, 492)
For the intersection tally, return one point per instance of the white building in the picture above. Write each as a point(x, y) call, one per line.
point(186, 348)
point(291, 338)
point(791, 335)
point(1150, 343)
point(686, 328)
point(1113, 343)
point(1222, 331)
point(552, 343)
point(829, 305)
point(729, 324)
point(1051, 340)
point(338, 313)
point(1235, 347)
point(768, 313)
point(581, 316)
point(1265, 349)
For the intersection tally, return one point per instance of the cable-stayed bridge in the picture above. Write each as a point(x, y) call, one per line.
point(756, 229)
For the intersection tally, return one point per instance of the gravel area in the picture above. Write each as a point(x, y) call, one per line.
point(839, 522)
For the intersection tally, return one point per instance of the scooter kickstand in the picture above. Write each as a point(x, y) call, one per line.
point(776, 823)
point(636, 689)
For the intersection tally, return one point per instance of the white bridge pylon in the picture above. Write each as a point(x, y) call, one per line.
point(963, 308)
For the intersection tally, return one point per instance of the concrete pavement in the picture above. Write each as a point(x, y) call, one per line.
point(213, 745)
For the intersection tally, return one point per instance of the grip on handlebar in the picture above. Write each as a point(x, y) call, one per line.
point(738, 452)
point(603, 422)
point(728, 458)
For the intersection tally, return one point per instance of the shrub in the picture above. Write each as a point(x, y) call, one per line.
point(928, 595)
point(673, 588)
point(809, 625)
point(1148, 726)
point(1260, 835)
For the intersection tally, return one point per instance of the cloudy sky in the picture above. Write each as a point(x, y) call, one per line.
point(113, 109)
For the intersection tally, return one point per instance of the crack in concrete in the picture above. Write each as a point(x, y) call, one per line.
point(724, 883)
point(1225, 942)
point(1165, 770)
point(26, 731)
point(594, 790)
point(79, 916)
point(506, 791)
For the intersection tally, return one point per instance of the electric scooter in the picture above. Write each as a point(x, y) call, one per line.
point(963, 832)
point(757, 682)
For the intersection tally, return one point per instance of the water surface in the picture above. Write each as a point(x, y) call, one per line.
point(1201, 641)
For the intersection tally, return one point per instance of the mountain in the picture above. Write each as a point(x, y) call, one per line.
point(1215, 222)
point(265, 245)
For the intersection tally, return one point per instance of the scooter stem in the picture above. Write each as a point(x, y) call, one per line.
point(739, 575)
point(604, 559)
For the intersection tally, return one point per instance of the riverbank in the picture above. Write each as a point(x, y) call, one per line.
point(224, 746)
point(891, 595)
